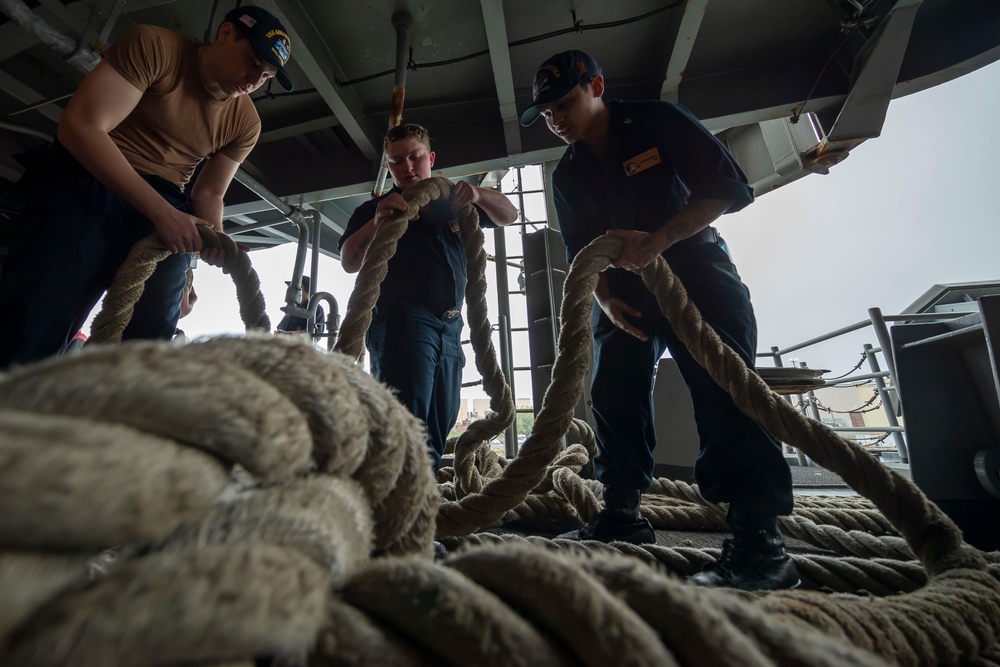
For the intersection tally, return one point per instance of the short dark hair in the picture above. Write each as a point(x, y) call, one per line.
point(407, 131)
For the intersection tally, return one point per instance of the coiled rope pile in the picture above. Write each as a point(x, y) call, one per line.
point(266, 500)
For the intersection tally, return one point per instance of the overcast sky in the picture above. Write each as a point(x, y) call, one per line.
point(908, 210)
point(905, 211)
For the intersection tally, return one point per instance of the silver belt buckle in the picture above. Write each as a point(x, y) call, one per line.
point(450, 314)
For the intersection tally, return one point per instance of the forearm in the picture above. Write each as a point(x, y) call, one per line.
point(102, 158)
point(497, 206)
point(698, 215)
point(208, 208)
point(352, 253)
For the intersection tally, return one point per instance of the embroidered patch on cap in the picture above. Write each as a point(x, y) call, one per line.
point(281, 46)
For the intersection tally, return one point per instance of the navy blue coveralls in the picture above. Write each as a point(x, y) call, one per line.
point(415, 338)
point(73, 235)
point(658, 157)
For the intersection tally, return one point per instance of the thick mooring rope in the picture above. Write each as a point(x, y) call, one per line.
point(129, 446)
point(130, 282)
point(246, 484)
point(368, 286)
point(930, 534)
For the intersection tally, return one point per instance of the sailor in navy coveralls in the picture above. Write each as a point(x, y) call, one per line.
point(651, 173)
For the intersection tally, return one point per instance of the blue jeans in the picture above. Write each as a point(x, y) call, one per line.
point(420, 356)
point(738, 461)
point(72, 236)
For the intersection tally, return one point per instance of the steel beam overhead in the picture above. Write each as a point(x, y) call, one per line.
point(314, 57)
point(102, 22)
point(297, 129)
point(64, 15)
point(458, 171)
point(733, 63)
point(256, 239)
point(26, 94)
point(248, 208)
point(694, 14)
point(320, 207)
point(496, 38)
point(270, 231)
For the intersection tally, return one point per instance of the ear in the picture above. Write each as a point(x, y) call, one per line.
point(225, 31)
point(597, 84)
point(432, 158)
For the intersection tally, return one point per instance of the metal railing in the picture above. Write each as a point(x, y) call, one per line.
point(878, 321)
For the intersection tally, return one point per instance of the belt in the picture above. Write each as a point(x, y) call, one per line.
point(707, 235)
point(450, 314)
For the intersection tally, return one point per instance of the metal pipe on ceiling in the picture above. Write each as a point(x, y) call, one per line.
point(77, 55)
point(211, 21)
point(295, 215)
point(109, 23)
point(317, 229)
point(401, 21)
point(256, 187)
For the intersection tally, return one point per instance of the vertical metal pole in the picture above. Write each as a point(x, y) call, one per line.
point(503, 306)
point(109, 23)
point(885, 342)
point(315, 224)
point(293, 294)
point(317, 228)
point(295, 216)
point(401, 21)
point(211, 22)
point(510, 435)
point(803, 461)
point(811, 395)
point(890, 414)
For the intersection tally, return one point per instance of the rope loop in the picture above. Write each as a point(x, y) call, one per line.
point(130, 281)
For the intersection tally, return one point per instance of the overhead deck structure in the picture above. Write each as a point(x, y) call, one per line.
point(791, 85)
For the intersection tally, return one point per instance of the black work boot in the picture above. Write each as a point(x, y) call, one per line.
point(619, 521)
point(753, 560)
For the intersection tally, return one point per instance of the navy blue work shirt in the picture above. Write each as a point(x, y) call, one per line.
point(658, 157)
point(429, 267)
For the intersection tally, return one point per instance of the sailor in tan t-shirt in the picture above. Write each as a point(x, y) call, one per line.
point(128, 144)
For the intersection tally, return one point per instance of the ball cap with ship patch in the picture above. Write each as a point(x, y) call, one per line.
point(267, 36)
point(556, 78)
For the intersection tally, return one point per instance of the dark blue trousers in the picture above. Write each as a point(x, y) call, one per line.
point(72, 236)
point(420, 356)
point(738, 462)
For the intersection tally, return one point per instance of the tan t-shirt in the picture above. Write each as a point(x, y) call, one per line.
point(177, 123)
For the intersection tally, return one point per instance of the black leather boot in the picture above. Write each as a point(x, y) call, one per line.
point(753, 560)
point(619, 521)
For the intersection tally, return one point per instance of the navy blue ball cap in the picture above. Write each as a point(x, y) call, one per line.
point(268, 37)
point(556, 78)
